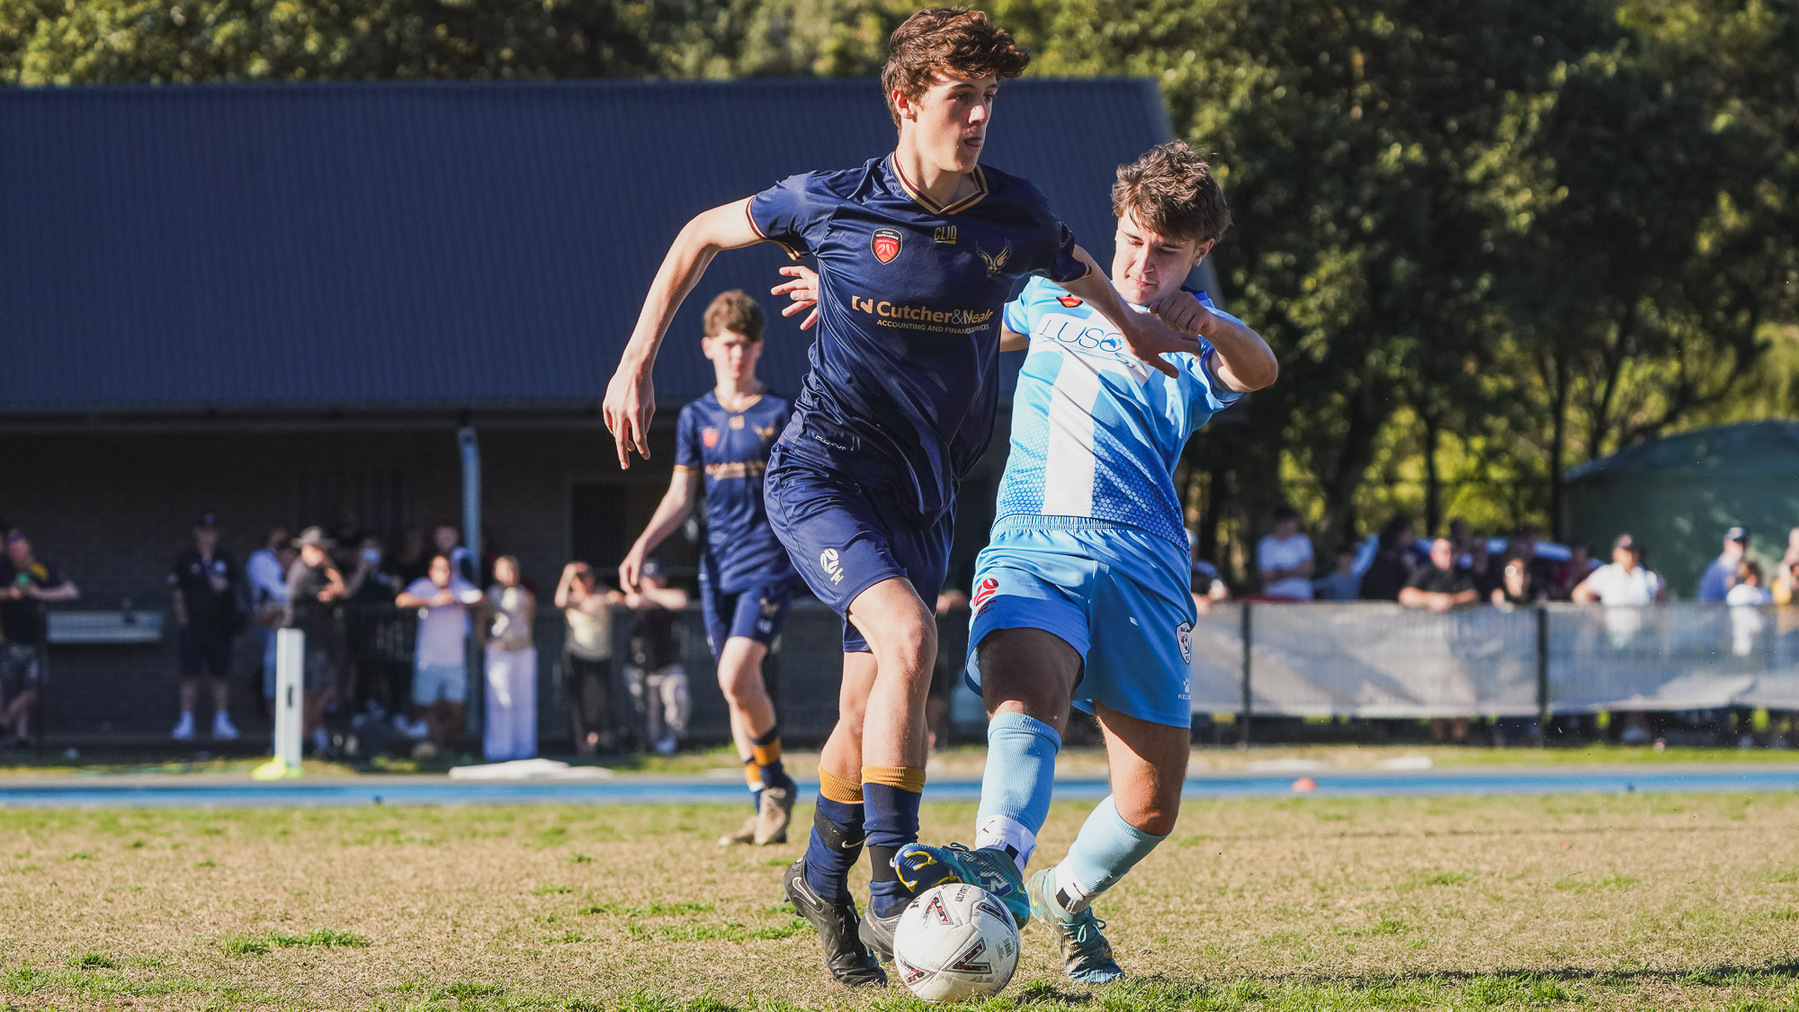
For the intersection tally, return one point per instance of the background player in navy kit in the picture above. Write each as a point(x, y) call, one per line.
point(916, 253)
point(746, 581)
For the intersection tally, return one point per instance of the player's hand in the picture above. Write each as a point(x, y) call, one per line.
point(1183, 312)
point(630, 403)
point(1150, 338)
point(803, 290)
point(630, 570)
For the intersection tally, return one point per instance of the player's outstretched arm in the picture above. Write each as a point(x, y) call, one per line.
point(674, 509)
point(630, 396)
point(1245, 362)
point(1148, 336)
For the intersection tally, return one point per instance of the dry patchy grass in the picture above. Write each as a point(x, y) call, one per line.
point(1647, 902)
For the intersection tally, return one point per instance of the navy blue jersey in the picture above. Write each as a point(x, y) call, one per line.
point(903, 385)
point(731, 450)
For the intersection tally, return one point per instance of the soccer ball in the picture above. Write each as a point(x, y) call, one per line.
point(955, 942)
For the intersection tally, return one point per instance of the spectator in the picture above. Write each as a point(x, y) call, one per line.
point(1785, 585)
point(1342, 584)
point(314, 588)
point(1579, 566)
point(1481, 573)
point(413, 563)
point(653, 672)
point(1394, 561)
point(1284, 557)
point(1721, 575)
point(1206, 586)
point(1516, 587)
point(448, 539)
point(210, 602)
point(1747, 594)
point(1524, 543)
point(587, 657)
point(26, 585)
point(266, 573)
point(511, 726)
point(374, 632)
point(440, 668)
point(1439, 586)
point(1624, 587)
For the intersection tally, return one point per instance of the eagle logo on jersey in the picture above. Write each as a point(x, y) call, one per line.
point(763, 433)
point(996, 262)
point(709, 436)
point(1068, 301)
point(885, 244)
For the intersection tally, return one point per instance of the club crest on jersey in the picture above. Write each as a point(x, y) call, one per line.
point(1068, 301)
point(885, 244)
point(1184, 633)
point(995, 262)
point(709, 436)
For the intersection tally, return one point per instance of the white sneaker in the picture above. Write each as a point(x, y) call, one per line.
point(184, 728)
point(222, 727)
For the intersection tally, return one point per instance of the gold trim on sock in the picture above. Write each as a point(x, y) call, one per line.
point(766, 755)
point(752, 774)
point(906, 778)
point(844, 792)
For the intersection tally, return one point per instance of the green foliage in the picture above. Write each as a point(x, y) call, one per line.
point(1489, 240)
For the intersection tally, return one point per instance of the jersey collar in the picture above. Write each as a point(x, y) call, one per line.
point(925, 200)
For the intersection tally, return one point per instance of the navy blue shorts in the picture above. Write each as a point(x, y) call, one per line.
point(757, 613)
point(844, 537)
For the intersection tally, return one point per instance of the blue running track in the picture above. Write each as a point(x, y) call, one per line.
point(199, 791)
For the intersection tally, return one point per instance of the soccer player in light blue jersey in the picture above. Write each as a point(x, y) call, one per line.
point(916, 252)
point(1082, 595)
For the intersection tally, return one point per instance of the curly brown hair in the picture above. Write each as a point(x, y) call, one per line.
point(734, 311)
point(964, 42)
point(1170, 189)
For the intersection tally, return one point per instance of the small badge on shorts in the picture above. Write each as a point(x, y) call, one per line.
point(983, 593)
point(885, 244)
point(830, 561)
point(1184, 632)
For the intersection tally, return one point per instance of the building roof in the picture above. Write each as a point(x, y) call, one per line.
point(1770, 447)
point(430, 247)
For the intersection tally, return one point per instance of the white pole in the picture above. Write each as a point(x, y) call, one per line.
point(290, 664)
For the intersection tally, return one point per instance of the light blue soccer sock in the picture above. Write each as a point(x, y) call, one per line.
point(1106, 848)
point(1015, 787)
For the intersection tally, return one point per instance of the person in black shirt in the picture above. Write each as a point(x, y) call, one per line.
point(653, 671)
point(210, 600)
point(1517, 589)
point(1393, 562)
point(314, 590)
point(26, 584)
point(1439, 586)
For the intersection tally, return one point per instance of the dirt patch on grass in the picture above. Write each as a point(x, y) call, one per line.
point(1589, 902)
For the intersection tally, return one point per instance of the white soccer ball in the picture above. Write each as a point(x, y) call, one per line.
point(955, 942)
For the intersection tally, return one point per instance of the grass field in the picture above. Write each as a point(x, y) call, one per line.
point(1649, 902)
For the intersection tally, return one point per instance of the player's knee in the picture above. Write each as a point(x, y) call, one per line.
point(1155, 816)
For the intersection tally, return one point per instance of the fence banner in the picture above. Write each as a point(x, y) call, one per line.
point(1671, 657)
point(1217, 662)
point(1380, 660)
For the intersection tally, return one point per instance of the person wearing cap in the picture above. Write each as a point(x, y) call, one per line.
point(211, 605)
point(26, 585)
point(1721, 575)
point(653, 671)
point(440, 659)
point(314, 588)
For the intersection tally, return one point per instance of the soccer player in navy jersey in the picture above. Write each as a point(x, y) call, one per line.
point(916, 251)
point(746, 580)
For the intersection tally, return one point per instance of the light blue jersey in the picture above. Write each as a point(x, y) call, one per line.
point(1095, 431)
point(1088, 540)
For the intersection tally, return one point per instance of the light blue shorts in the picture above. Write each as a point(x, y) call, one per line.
point(1117, 595)
point(433, 683)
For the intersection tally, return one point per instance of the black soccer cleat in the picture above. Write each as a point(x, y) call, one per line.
point(876, 934)
point(838, 930)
